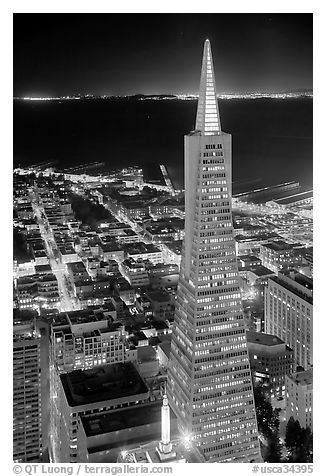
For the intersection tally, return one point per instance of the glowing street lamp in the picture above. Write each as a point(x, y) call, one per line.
point(187, 437)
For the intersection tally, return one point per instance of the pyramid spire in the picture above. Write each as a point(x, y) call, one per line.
point(208, 117)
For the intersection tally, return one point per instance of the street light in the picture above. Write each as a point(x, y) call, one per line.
point(187, 437)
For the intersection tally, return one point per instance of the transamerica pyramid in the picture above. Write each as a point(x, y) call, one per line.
point(209, 382)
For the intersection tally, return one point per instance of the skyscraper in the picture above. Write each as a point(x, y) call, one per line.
point(209, 384)
point(289, 314)
point(27, 438)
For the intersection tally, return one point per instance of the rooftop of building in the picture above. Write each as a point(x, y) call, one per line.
point(22, 317)
point(131, 263)
point(159, 325)
point(249, 258)
point(106, 307)
point(76, 267)
point(134, 204)
point(24, 328)
point(43, 269)
point(36, 278)
point(66, 249)
point(159, 296)
point(129, 232)
point(111, 327)
point(175, 246)
point(146, 353)
point(140, 247)
point(304, 280)
point(263, 339)
point(84, 282)
point(140, 336)
point(85, 316)
point(123, 285)
point(109, 422)
point(303, 291)
point(261, 271)
point(161, 228)
point(110, 246)
point(259, 237)
point(279, 245)
point(114, 225)
point(165, 347)
point(103, 383)
point(39, 253)
point(303, 378)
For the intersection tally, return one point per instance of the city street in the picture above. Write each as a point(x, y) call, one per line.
point(67, 300)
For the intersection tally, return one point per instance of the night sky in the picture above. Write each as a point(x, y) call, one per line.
point(120, 54)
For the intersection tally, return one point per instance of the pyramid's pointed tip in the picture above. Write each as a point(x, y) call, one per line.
point(207, 119)
point(207, 47)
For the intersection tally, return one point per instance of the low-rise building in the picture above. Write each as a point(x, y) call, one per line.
point(147, 361)
point(77, 271)
point(124, 291)
point(112, 251)
point(85, 339)
point(163, 353)
point(67, 254)
point(37, 291)
point(251, 244)
point(248, 261)
point(127, 236)
point(258, 275)
point(143, 252)
point(160, 303)
point(135, 272)
point(280, 255)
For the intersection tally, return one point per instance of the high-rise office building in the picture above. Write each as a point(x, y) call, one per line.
point(209, 381)
point(27, 438)
point(289, 314)
point(299, 397)
point(80, 340)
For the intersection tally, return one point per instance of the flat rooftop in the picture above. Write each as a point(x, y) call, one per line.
point(43, 269)
point(165, 347)
point(263, 339)
point(76, 267)
point(302, 378)
point(159, 296)
point(111, 246)
point(109, 422)
point(146, 353)
point(248, 258)
point(293, 289)
point(278, 246)
point(104, 383)
point(304, 281)
point(175, 246)
point(260, 237)
point(261, 271)
point(140, 247)
point(84, 316)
